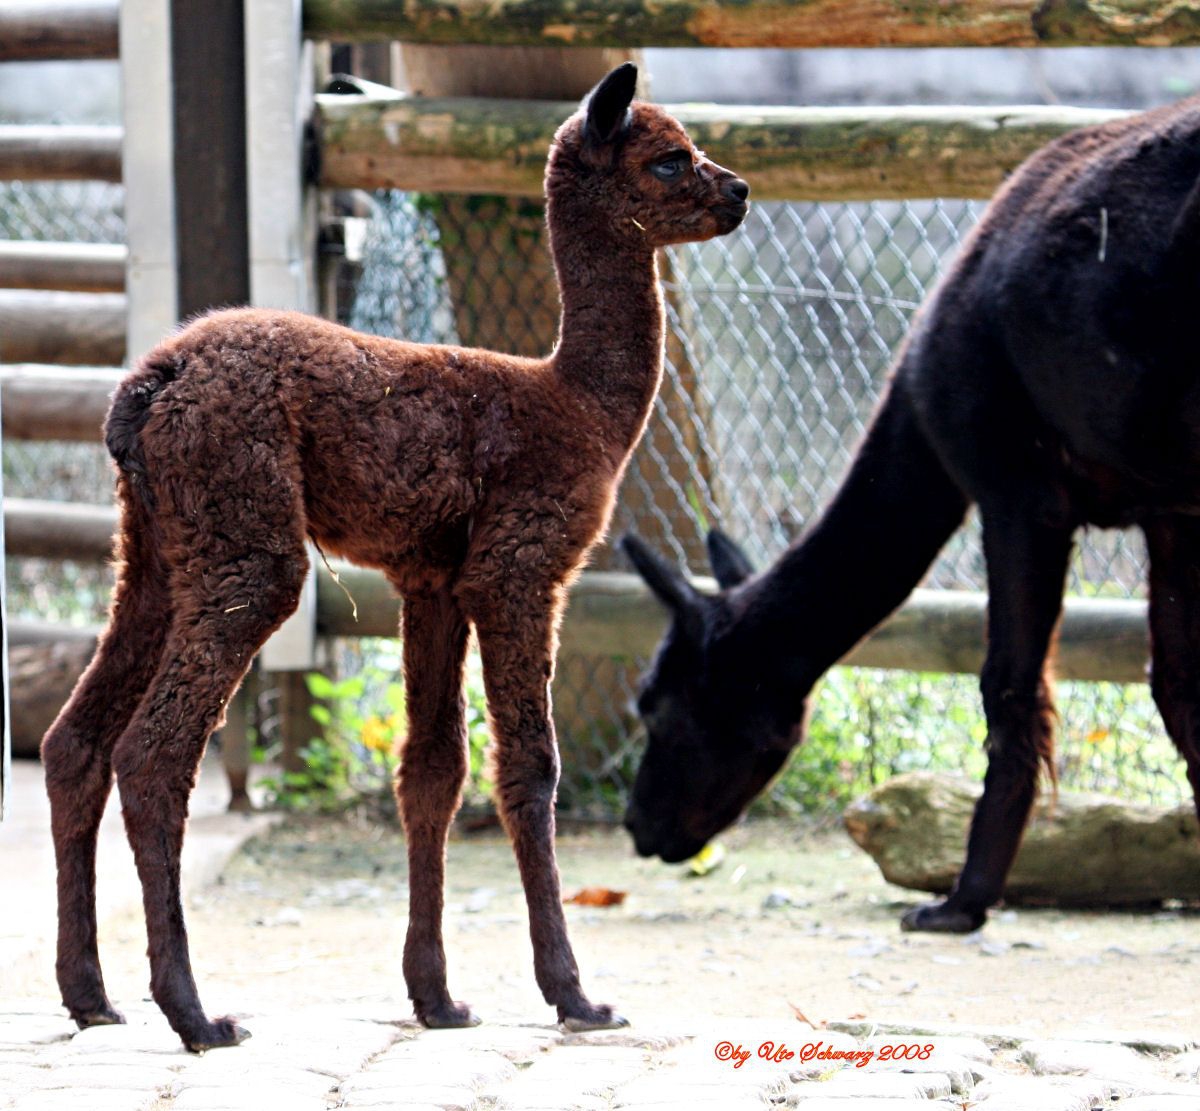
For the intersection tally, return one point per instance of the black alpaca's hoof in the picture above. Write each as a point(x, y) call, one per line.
point(447, 1016)
point(104, 1015)
point(589, 1017)
point(942, 918)
point(217, 1035)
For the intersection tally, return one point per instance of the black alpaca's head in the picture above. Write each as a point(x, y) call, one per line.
point(713, 741)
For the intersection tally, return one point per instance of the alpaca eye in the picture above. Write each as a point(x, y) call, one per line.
point(668, 170)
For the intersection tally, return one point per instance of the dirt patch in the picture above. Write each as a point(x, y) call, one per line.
point(315, 912)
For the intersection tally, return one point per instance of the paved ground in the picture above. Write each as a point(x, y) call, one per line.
point(358, 1056)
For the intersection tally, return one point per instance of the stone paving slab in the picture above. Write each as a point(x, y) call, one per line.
point(318, 1060)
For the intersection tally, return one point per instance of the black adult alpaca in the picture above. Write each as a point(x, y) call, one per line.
point(1052, 379)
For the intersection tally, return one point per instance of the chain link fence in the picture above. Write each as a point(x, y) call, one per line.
point(780, 337)
point(49, 590)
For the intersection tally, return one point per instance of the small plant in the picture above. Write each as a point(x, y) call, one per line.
point(359, 725)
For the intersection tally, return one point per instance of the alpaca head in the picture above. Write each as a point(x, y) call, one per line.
point(631, 166)
point(712, 742)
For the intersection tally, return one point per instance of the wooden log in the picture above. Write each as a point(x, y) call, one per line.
point(49, 632)
point(77, 267)
point(56, 403)
point(63, 328)
point(54, 30)
point(58, 530)
point(612, 614)
point(41, 678)
point(465, 144)
point(60, 153)
point(761, 22)
point(1078, 851)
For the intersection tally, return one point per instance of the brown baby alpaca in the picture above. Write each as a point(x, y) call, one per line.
point(475, 481)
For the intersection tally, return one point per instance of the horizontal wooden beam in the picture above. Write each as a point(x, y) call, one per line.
point(480, 145)
point(58, 30)
point(74, 329)
point(742, 23)
point(33, 152)
point(58, 530)
point(613, 614)
point(55, 403)
point(77, 267)
point(48, 632)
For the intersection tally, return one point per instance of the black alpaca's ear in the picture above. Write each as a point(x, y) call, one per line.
point(668, 584)
point(730, 564)
point(608, 104)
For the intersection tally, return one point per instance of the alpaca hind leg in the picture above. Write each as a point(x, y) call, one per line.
point(429, 788)
point(1174, 547)
point(517, 652)
point(224, 612)
point(1027, 563)
point(77, 756)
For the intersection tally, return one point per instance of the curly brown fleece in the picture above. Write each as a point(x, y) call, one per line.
point(475, 481)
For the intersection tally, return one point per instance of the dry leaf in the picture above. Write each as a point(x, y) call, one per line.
point(596, 897)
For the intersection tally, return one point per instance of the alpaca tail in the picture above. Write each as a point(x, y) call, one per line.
point(128, 415)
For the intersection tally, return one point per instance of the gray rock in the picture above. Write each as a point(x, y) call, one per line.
point(1079, 850)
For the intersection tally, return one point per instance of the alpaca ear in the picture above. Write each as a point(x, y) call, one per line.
point(668, 584)
point(608, 104)
point(730, 564)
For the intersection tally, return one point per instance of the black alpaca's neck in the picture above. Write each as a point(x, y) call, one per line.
point(870, 548)
point(611, 334)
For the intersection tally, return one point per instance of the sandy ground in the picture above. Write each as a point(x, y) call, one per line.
point(314, 912)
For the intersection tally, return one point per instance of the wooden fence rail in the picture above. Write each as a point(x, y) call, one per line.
point(71, 329)
point(45, 30)
point(635, 23)
point(613, 614)
point(483, 145)
point(55, 403)
point(33, 152)
point(76, 267)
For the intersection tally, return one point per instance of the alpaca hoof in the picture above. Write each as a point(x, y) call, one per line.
point(447, 1016)
point(942, 918)
point(105, 1015)
point(219, 1034)
point(592, 1018)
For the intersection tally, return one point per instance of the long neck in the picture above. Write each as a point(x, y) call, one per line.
point(890, 517)
point(611, 336)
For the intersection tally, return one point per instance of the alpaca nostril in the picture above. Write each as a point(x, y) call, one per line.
point(738, 189)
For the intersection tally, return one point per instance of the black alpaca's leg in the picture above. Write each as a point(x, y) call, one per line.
point(77, 756)
point(518, 659)
point(1174, 546)
point(1026, 562)
point(224, 612)
point(429, 788)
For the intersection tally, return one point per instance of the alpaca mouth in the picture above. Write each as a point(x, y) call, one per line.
point(729, 216)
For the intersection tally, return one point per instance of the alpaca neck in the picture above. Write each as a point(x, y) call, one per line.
point(892, 514)
point(611, 333)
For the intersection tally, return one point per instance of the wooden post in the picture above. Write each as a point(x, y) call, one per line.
point(209, 119)
point(5, 740)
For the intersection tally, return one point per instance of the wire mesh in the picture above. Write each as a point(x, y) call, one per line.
point(48, 590)
point(780, 337)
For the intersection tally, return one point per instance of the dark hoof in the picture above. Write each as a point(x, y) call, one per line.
point(592, 1018)
point(224, 1032)
point(942, 918)
point(106, 1015)
point(447, 1016)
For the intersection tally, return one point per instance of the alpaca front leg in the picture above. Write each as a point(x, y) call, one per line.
point(517, 666)
point(433, 766)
